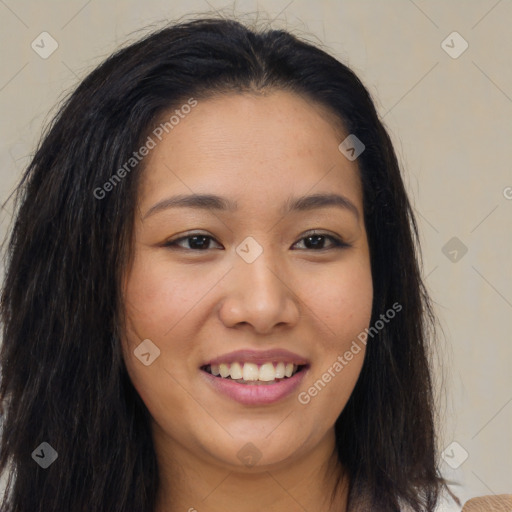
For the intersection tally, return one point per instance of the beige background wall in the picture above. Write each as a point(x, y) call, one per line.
point(451, 121)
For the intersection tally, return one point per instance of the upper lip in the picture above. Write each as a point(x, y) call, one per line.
point(259, 357)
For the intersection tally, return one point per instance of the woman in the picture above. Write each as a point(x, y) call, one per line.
point(212, 298)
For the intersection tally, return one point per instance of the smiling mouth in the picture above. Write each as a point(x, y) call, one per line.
point(254, 378)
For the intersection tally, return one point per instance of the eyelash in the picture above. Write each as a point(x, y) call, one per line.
point(338, 243)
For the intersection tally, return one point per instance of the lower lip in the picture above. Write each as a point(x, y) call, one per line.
point(254, 394)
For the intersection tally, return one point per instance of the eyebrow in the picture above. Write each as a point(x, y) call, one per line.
point(218, 203)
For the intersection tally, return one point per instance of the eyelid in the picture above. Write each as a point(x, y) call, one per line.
point(336, 241)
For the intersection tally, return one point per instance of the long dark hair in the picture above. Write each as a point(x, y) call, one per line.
point(63, 378)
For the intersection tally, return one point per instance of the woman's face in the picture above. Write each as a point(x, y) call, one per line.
point(251, 281)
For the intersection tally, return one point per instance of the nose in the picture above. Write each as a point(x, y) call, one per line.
point(260, 295)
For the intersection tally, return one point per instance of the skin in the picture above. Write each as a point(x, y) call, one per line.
point(198, 303)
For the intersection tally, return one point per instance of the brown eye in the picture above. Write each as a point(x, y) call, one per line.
point(316, 241)
point(197, 242)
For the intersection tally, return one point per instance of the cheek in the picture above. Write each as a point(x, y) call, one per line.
point(342, 306)
point(342, 300)
point(163, 304)
point(158, 296)
point(155, 302)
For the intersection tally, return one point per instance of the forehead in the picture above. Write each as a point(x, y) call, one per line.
point(269, 145)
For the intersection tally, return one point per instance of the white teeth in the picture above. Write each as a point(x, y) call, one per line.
point(236, 371)
point(267, 372)
point(251, 372)
point(280, 371)
point(224, 370)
